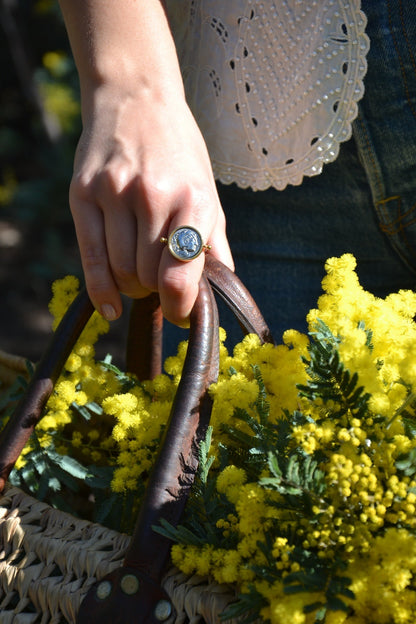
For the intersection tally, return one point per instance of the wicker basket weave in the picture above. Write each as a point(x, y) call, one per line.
point(49, 560)
point(55, 568)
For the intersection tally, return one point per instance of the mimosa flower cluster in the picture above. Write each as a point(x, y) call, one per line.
point(306, 496)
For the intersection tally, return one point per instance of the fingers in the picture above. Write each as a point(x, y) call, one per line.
point(178, 282)
point(123, 200)
point(106, 229)
point(178, 287)
point(122, 252)
point(121, 242)
point(101, 286)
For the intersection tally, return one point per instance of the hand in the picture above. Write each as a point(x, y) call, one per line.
point(141, 170)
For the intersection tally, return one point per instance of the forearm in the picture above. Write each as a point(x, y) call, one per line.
point(141, 167)
point(124, 44)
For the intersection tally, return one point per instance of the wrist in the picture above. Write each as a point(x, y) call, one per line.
point(114, 87)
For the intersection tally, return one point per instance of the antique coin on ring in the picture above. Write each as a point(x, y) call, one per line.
point(185, 243)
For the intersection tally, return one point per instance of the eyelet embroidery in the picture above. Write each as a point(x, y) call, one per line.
point(281, 78)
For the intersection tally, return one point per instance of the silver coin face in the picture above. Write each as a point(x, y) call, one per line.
point(185, 243)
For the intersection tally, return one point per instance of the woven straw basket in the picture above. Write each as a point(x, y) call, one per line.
point(50, 559)
point(56, 568)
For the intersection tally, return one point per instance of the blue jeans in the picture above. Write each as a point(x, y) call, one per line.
point(363, 203)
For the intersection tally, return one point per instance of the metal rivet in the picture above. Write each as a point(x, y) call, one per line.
point(129, 584)
point(104, 590)
point(163, 610)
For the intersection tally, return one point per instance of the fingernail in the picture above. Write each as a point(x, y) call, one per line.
point(108, 312)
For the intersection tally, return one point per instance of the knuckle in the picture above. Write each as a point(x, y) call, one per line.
point(177, 285)
point(112, 178)
point(197, 196)
point(79, 189)
point(153, 193)
point(94, 259)
point(171, 190)
point(124, 273)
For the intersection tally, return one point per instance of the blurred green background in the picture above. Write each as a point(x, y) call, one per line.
point(39, 129)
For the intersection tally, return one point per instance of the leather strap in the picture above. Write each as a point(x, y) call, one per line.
point(176, 466)
point(134, 592)
point(144, 344)
point(231, 289)
point(169, 484)
point(29, 410)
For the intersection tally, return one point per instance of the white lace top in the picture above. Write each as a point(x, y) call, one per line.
point(273, 85)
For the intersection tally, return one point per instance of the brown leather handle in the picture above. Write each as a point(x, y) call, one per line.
point(144, 343)
point(231, 289)
point(28, 412)
point(176, 464)
point(144, 351)
point(169, 483)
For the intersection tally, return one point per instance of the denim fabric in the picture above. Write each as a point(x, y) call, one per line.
point(363, 203)
point(386, 128)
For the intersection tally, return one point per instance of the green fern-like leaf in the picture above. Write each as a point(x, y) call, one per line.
point(246, 608)
point(329, 379)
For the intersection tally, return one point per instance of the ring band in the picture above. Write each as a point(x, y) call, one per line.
point(185, 243)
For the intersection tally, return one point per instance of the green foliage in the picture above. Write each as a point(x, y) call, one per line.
point(64, 481)
point(264, 457)
point(329, 380)
point(263, 445)
point(297, 476)
point(246, 609)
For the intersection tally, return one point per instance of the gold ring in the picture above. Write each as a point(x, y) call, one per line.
point(185, 243)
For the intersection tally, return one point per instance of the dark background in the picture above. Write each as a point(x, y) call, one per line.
point(39, 129)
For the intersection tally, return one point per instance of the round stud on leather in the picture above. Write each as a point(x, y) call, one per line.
point(103, 590)
point(163, 610)
point(129, 584)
